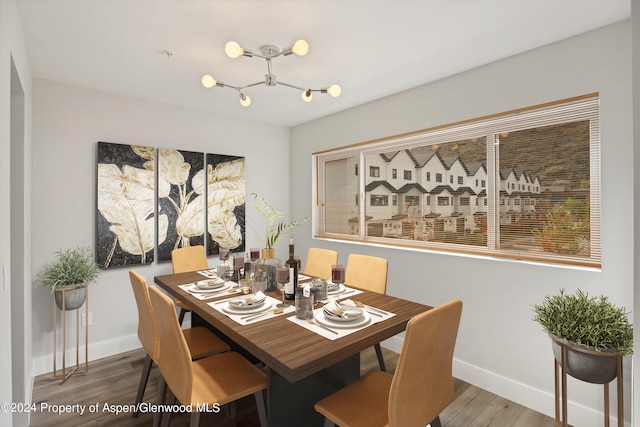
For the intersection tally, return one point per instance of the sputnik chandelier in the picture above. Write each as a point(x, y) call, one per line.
point(268, 52)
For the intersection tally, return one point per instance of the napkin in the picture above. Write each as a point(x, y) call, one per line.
point(244, 301)
point(334, 308)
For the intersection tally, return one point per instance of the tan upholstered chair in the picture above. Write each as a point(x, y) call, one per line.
point(370, 273)
point(420, 389)
point(220, 379)
point(201, 341)
point(189, 258)
point(319, 261)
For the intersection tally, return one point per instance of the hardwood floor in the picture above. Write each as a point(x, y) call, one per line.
point(114, 381)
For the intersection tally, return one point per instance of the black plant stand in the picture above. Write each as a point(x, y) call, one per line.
point(561, 384)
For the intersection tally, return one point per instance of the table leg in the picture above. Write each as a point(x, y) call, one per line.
point(291, 404)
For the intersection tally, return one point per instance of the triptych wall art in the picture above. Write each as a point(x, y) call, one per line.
point(194, 199)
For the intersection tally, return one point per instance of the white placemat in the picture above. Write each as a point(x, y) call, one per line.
point(230, 288)
point(251, 318)
point(375, 316)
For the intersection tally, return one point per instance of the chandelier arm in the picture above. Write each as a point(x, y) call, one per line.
point(297, 87)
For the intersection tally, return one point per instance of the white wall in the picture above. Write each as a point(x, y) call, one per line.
point(635, 19)
point(499, 347)
point(15, 234)
point(68, 121)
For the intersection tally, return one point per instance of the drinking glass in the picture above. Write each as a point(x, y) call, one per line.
point(223, 253)
point(337, 273)
point(282, 277)
point(255, 254)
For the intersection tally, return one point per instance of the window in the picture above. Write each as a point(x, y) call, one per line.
point(377, 200)
point(394, 173)
point(394, 200)
point(357, 200)
point(536, 195)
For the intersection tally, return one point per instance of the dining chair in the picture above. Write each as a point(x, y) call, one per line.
point(201, 341)
point(188, 258)
point(319, 261)
point(419, 390)
point(216, 380)
point(370, 273)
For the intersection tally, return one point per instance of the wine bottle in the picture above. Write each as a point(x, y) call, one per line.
point(290, 287)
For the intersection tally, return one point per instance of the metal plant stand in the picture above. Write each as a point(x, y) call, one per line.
point(561, 384)
point(67, 372)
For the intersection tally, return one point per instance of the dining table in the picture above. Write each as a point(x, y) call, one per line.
point(304, 362)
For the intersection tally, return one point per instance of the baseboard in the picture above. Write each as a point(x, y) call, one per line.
point(44, 364)
point(523, 394)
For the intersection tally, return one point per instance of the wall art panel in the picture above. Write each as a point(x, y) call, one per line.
point(226, 195)
point(181, 198)
point(125, 215)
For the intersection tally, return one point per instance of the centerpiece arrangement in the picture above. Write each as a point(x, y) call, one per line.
point(72, 271)
point(593, 329)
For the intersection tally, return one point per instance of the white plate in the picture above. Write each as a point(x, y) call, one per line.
point(245, 307)
point(337, 318)
point(264, 305)
point(324, 320)
point(195, 289)
point(336, 290)
point(209, 284)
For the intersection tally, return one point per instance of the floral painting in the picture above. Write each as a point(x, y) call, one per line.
point(126, 205)
point(226, 197)
point(181, 198)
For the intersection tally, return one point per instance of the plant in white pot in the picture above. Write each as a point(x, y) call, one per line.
point(72, 270)
point(581, 322)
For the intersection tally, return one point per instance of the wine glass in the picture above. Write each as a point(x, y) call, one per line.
point(282, 277)
point(255, 254)
point(337, 274)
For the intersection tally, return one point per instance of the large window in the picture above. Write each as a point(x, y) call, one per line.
point(526, 186)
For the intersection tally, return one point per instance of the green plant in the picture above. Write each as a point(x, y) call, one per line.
point(566, 225)
point(70, 268)
point(275, 226)
point(585, 320)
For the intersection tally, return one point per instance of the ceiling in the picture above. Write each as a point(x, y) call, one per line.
point(371, 48)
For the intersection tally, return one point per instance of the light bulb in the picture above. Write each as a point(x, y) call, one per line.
point(300, 47)
point(307, 95)
point(233, 49)
point(245, 101)
point(334, 90)
point(208, 81)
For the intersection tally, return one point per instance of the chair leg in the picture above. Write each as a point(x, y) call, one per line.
point(146, 369)
point(328, 423)
point(378, 349)
point(195, 419)
point(162, 387)
point(436, 422)
point(262, 411)
point(166, 418)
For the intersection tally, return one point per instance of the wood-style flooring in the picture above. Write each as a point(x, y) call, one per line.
point(114, 381)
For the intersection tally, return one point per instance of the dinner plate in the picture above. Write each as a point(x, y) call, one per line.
point(353, 319)
point(195, 289)
point(247, 306)
point(332, 290)
point(264, 305)
point(210, 284)
point(324, 320)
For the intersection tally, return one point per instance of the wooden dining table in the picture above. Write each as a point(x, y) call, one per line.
point(303, 366)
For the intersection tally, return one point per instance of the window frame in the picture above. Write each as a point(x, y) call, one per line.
point(585, 107)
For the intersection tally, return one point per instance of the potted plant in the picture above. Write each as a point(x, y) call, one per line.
point(275, 226)
point(69, 275)
point(592, 329)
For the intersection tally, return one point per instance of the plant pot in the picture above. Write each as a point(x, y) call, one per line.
point(585, 363)
point(268, 253)
point(73, 297)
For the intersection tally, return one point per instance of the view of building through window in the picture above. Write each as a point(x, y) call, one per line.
point(539, 202)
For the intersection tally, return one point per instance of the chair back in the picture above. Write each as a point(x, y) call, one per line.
point(147, 331)
point(319, 261)
point(189, 258)
point(367, 272)
point(174, 358)
point(422, 385)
